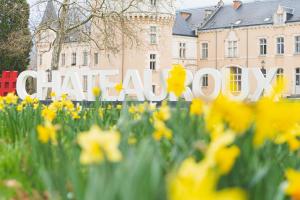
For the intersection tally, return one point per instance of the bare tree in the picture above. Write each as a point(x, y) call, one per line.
point(108, 18)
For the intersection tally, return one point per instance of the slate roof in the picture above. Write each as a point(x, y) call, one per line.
point(253, 13)
point(187, 27)
point(181, 27)
point(49, 14)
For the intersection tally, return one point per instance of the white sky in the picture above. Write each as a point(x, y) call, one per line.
point(200, 3)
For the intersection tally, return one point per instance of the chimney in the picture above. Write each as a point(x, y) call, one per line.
point(220, 3)
point(185, 15)
point(236, 4)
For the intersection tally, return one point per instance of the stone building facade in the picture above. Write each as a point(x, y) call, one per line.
point(263, 34)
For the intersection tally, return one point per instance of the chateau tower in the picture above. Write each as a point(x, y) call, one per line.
point(45, 37)
point(147, 46)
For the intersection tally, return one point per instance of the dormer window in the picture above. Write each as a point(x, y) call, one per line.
point(282, 14)
point(280, 19)
point(238, 22)
point(231, 45)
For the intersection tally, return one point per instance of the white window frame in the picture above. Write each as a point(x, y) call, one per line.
point(280, 45)
point(96, 58)
point(297, 72)
point(235, 79)
point(263, 46)
point(182, 50)
point(85, 83)
point(297, 44)
point(232, 48)
point(154, 89)
point(205, 81)
point(85, 58)
point(153, 30)
point(204, 50)
point(74, 59)
point(153, 61)
point(63, 59)
point(41, 59)
point(279, 74)
point(280, 18)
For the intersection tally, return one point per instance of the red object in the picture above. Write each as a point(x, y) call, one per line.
point(8, 82)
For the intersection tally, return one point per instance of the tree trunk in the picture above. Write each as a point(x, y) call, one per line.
point(60, 36)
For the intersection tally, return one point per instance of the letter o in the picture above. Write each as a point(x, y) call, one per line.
point(216, 75)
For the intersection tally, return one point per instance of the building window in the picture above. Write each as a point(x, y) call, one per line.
point(41, 59)
point(63, 59)
point(85, 58)
point(85, 83)
point(153, 2)
point(153, 61)
point(205, 80)
point(235, 79)
point(153, 89)
point(263, 46)
point(153, 34)
point(280, 18)
point(96, 58)
point(73, 61)
point(182, 50)
point(232, 49)
point(297, 76)
point(204, 50)
point(279, 75)
point(280, 45)
point(297, 44)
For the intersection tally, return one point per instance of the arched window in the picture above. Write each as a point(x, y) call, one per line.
point(235, 79)
point(279, 75)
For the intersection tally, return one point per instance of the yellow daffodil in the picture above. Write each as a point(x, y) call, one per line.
point(163, 114)
point(101, 112)
point(272, 124)
point(11, 98)
point(75, 115)
point(64, 96)
point(161, 131)
point(176, 80)
point(196, 107)
point(291, 137)
point(2, 104)
point(48, 114)
point(20, 107)
point(47, 133)
point(53, 94)
point(98, 145)
point(119, 107)
point(237, 115)
point(96, 91)
point(193, 181)
point(119, 87)
point(293, 184)
point(225, 158)
point(35, 106)
point(28, 100)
